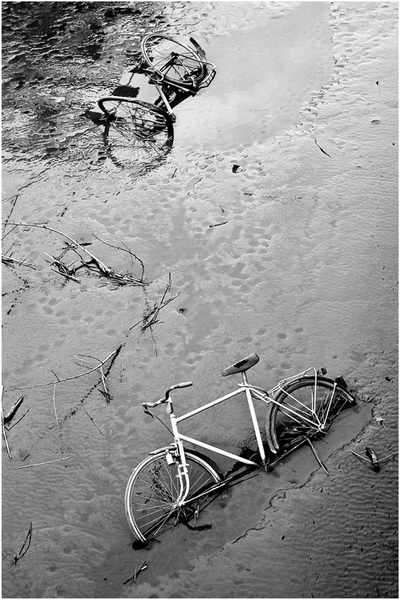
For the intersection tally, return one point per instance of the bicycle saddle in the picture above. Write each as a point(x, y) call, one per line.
point(241, 365)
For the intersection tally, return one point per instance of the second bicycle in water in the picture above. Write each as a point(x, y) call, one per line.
point(139, 131)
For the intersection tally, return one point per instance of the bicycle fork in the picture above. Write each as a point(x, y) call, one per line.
point(183, 474)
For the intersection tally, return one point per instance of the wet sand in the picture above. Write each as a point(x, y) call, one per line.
point(304, 272)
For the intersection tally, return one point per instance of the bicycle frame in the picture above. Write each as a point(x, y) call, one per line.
point(251, 392)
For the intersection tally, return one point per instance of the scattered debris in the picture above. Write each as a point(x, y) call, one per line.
point(322, 150)
point(372, 457)
point(136, 573)
point(317, 456)
point(10, 262)
point(46, 462)
point(8, 418)
point(381, 421)
point(113, 355)
point(12, 412)
point(93, 264)
point(150, 315)
point(24, 548)
point(218, 224)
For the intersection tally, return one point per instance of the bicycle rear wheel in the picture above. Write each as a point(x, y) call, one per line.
point(153, 489)
point(175, 62)
point(135, 131)
point(302, 407)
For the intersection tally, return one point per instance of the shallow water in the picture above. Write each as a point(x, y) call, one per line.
point(303, 271)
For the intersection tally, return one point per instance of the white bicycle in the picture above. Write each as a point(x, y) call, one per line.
point(173, 484)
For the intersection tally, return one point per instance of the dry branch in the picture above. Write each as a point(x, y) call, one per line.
point(13, 203)
point(112, 355)
point(47, 462)
point(8, 418)
point(8, 261)
point(93, 264)
point(150, 315)
point(25, 546)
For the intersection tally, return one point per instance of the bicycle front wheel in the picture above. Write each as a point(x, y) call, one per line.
point(153, 490)
point(174, 61)
point(304, 410)
point(135, 131)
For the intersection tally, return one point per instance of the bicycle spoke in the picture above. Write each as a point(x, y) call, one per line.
point(154, 492)
point(304, 410)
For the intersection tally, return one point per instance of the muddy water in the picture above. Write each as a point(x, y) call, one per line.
point(302, 270)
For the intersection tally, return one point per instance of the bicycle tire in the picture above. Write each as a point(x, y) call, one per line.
point(135, 131)
point(286, 431)
point(158, 51)
point(152, 490)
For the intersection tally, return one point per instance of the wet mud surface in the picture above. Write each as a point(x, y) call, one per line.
point(275, 215)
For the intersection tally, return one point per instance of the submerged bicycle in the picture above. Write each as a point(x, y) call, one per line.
point(136, 130)
point(173, 484)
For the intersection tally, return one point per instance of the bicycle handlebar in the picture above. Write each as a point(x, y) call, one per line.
point(167, 393)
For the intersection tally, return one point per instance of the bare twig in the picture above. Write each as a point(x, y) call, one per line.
point(25, 546)
point(373, 458)
point(317, 456)
point(139, 281)
point(16, 422)
point(13, 203)
point(47, 462)
point(218, 224)
point(3, 429)
point(62, 269)
point(322, 150)
point(54, 403)
point(106, 270)
point(112, 354)
point(359, 456)
point(7, 260)
point(150, 315)
point(136, 572)
point(11, 413)
point(8, 418)
point(389, 456)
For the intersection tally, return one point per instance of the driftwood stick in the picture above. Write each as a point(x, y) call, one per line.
point(7, 260)
point(317, 456)
point(3, 428)
point(62, 268)
point(16, 422)
point(150, 315)
point(359, 456)
point(13, 203)
point(11, 413)
point(5, 437)
point(373, 458)
point(125, 249)
point(389, 456)
point(100, 264)
point(114, 353)
point(54, 404)
point(25, 546)
point(92, 420)
point(47, 462)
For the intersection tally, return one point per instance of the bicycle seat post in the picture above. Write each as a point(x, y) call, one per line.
point(254, 418)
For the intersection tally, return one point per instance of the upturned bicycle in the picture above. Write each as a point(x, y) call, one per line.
point(136, 130)
point(174, 484)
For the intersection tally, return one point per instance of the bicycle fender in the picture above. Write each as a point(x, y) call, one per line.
point(164, 449)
